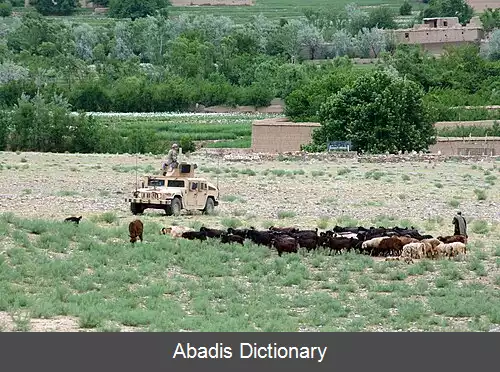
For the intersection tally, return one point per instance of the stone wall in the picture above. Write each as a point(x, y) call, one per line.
point(277, 135)
point(247, 156)
point(451, 124)
point(489, 146)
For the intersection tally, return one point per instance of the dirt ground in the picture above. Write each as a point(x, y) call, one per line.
point(254, 193)
point(60, 185)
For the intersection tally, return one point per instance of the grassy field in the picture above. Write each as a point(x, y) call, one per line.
point(231, 131)
point(55, 276)
point(462, 131)
point(283, 8)
point(270, 8)
point(225, 130)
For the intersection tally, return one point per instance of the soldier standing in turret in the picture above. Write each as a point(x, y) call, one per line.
point(171, 162)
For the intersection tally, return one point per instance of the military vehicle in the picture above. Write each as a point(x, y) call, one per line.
point(175, 190)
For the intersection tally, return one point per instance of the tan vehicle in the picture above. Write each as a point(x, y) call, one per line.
point(175, 191)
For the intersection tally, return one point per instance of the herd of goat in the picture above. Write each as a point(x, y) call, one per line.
point(397, 242)
point(393, 243)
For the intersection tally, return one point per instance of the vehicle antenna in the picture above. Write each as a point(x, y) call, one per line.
point(218, 171)
point(136, 148)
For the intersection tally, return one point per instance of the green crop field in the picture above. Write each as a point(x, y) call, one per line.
point(270, 8)
point(234, 130)
point(227, 130)
point(280, 8)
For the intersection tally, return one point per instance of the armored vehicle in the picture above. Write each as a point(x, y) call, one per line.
point(174, 191)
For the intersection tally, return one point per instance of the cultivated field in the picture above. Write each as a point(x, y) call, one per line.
point(274, 9)
point(282, 8)
point(212, 130)
point(56, 276)
point(230, 130)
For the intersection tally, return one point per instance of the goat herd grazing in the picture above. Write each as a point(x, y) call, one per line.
point(394, 243)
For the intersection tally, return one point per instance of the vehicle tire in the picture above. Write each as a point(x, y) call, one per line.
point(209, 206)
point(136, 208)
point(175, 207)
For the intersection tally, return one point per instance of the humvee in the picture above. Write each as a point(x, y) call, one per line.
point(175, 190)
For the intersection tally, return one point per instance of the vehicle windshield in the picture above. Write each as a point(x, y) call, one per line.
point(155, 182)
point(175, 183)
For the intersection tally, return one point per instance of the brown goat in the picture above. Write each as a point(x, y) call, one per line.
point(285, 243)
point(433, 241)
point(391, 245)
point(430, 250)
point(407, 240)
point(135, 228)
point(453, 239)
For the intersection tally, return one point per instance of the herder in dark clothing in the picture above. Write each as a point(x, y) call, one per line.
point(460, 225)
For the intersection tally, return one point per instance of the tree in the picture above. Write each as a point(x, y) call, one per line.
point(85, 41)
point(5, 9)
point(59, 7)
point(491, 50)
point(188, 56)
point(490, 19)
point(370, 42)
point(37, 124)
point(342, 44)
point(136, 8)
point(303, 103)
point(381, 17)
point(381, 112)
point(449, 8)
point(356, 18)
point(405, 9)
point(122, 48)
point(289, 38)
point(10, 71)
point(310, 37)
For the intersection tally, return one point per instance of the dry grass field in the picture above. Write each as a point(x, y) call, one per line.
point(61, 277)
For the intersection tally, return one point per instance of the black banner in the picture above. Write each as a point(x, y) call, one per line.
point(185, 352)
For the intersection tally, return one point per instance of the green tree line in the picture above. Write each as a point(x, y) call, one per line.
point(157, 63)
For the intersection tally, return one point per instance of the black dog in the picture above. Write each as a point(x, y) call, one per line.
point(73, 219)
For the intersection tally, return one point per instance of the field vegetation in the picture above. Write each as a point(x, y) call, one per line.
point(48, 64)
point(58, 276)
point(65, 83)
point(274, 9)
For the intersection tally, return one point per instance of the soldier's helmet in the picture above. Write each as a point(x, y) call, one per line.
point(175, 146)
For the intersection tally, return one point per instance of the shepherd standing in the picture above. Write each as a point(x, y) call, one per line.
point(460, 225)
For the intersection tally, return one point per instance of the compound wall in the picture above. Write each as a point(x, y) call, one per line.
point(277, 135)
point(467, 146)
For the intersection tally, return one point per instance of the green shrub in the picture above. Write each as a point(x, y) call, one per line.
point(405, 9)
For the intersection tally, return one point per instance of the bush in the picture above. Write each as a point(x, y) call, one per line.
point(5, 9)
point(90, 96)
point(449, 8)
point(405, 9)
point(135, 8)
point(49, 7)
point(187, 145)
point(389, 115)
point(303, 103)
point(381, 17)
point(36, 124)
